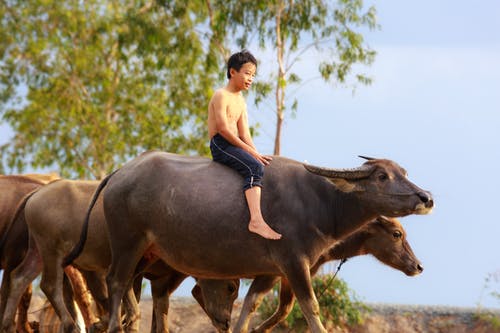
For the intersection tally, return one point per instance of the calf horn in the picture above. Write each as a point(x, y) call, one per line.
point(356, 173)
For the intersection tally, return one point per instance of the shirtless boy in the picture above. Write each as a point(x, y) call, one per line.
point(231, 143)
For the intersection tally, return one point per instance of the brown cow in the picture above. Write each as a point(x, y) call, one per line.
point(14, 238)
point(384, 238)
point(175, 206)
point(54, 215)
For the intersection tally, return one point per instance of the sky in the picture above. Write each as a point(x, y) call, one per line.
point(434, 108)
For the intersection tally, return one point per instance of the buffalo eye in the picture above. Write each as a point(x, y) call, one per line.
point(397, 234)
point(383, 177)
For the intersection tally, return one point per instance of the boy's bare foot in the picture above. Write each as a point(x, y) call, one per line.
point(261, 228)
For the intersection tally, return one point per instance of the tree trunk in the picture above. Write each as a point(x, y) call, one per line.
point(281, 81)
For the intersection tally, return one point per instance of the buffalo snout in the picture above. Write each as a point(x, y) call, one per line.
point(223, 326)
point(426, 198)
point(426, 203)
point(414, 269)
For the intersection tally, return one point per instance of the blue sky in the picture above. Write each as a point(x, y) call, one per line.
point(434, 108)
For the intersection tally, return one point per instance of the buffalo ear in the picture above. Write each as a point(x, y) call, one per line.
point(343, 184)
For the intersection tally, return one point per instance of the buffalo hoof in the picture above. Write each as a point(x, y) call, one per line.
point(99, 327)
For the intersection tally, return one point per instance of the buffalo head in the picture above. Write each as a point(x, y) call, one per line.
point(382, 184)
point(387, 242)
point(216, 297)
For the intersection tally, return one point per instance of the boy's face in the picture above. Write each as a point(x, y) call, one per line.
point(244, 77)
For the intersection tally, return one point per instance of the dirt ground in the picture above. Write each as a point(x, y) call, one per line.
point(185, 316)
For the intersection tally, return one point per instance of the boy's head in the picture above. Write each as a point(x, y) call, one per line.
point(238, 59)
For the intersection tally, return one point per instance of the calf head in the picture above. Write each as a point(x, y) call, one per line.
point(387, 242)
point(383, 187)
point(216, 297)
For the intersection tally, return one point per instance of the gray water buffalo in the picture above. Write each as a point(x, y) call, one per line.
point(383, 238)
point(54, 215)
point(49, 214)
point(191, 212)
point(14, 238)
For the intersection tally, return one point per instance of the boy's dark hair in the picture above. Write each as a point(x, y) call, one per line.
point(238, 59)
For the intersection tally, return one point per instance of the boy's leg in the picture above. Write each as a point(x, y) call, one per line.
point(257, 223)
point(252, 171)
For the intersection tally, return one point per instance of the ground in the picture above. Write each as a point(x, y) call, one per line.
point(187, 317)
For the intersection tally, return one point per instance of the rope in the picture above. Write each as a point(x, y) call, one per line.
point(330, 281)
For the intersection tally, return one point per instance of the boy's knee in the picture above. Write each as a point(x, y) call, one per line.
point(258, 170)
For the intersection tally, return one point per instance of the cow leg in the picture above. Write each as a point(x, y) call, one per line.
point(20, 278)
point(23, 326)
point(300, 280)
point(161, 289)
point(52, 285)
point(285, 307)
point(259, 287)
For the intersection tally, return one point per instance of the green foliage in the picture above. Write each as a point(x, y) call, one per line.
point(339, 306)
point(490, 288)
point(86, 85)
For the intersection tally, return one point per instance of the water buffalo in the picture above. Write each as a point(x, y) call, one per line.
point(176, 206)
point(383, 238)
point(14, 238)
point(54, 215)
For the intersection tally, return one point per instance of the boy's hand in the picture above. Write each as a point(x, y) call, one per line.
point(265, 160)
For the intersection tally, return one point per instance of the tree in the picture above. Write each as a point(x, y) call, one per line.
point(291, 28)
point(86, 85)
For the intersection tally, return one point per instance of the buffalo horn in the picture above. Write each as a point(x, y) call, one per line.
point(356, 173)
point(367, 158)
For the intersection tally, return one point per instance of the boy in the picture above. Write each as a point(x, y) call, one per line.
point(231, 143)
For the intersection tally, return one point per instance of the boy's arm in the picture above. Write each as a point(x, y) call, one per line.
point(244, 129)
point(244, 132)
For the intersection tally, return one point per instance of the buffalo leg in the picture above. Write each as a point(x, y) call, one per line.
point(68, 297)
point(132, 314)
point(81, 295)
point(285, 307)
point(161, 289)
point(119, 280)
point(259, 287)
point(52, 285)
point(300, 280)
point(23, 326)
point(97, 286)
point(20, 279)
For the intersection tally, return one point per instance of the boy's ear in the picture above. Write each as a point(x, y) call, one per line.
point(231, 72)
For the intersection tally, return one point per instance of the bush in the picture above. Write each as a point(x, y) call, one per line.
point(339, 306)
point(491, 284)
